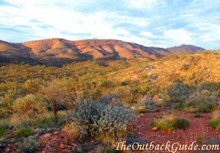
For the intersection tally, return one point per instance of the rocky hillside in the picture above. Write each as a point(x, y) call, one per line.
point(61, 51)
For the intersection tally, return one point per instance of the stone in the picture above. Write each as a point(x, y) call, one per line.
point(154, 129)
point(132, 140)
point(62, 146)
point(56, 132)
point(156, 98)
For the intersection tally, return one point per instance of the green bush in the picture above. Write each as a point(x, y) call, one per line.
point(23, 132)
point(215, 122)
point(30, 146)
point(200, 139)
point(178, 92)
point(95, 118)
point(202, 104)
point(3, 130)
point(170, 122)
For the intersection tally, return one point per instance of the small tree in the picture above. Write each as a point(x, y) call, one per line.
point(56, 94)
point(29, 105)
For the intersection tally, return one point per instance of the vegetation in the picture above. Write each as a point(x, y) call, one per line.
point(29, 105)
point(105, 120)
point(3, 130)
point(215, 121)
point(88, 98)
point(169, 122)
point(30, 146)
point(23, 132)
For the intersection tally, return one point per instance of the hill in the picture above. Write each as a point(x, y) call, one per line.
point(185, 48)
point(61, 51)
point(58, 52)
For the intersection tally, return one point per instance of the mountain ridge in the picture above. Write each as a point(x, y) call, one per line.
point(58, 51)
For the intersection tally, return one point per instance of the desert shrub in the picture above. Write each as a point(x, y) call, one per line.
point(106, 84)
point(200, 139)
point(169, 122)
point(198, 115)
point(129, 94)
point(95, 118)
point(72, 131)
point(215, 121)
point(44, 121)
point(202, 104)
point(4, 111)
point(37, 123)
point(32, 85)
point(211, 86)
point(29, 105)
point(23, 132)
point(6, 103)
point(178, 92)
point(3, 130)
point(29, 146)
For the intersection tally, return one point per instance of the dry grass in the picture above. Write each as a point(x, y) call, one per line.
point(71, 131)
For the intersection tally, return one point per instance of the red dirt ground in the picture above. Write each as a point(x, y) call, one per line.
point(198, 127)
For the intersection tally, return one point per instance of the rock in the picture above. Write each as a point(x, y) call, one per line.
point(154, 129)
point(32, 137)
point(146, 98)
point(218, 98)
point(132, 140)
point(147, 102)
point(56, 132)
point(205, 91)
point(37, 130)
point(213, 141)
point(133, 108)
point(156, 98)
point(62, 146)
point(46, 135)
point(88, 146)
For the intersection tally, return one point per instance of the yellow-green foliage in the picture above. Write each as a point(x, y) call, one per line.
point(215, 121)
point(92, 79)
point(29, 105)
point(170, 122)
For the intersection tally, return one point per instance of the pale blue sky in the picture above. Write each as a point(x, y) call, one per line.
point(162, 23)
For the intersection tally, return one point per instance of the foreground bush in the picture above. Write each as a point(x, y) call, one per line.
point(102, 120)
point(201, 104)
point(3, 130)
point(29, 105)
point(23, 132)
point(71, 131)
point(169, 122)
point(215, 121)
point(30, 146)
point(178, 92)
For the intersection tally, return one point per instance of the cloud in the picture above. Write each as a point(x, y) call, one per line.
point(141, 4)
point(178, 35)
point(146, 34)
point(52, 21)
point(149, 22)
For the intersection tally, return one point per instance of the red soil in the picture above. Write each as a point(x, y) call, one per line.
point(198, 127)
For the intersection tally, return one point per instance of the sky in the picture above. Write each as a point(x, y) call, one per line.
point(161, 23)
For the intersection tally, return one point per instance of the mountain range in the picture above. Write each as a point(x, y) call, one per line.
point(60, 51)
